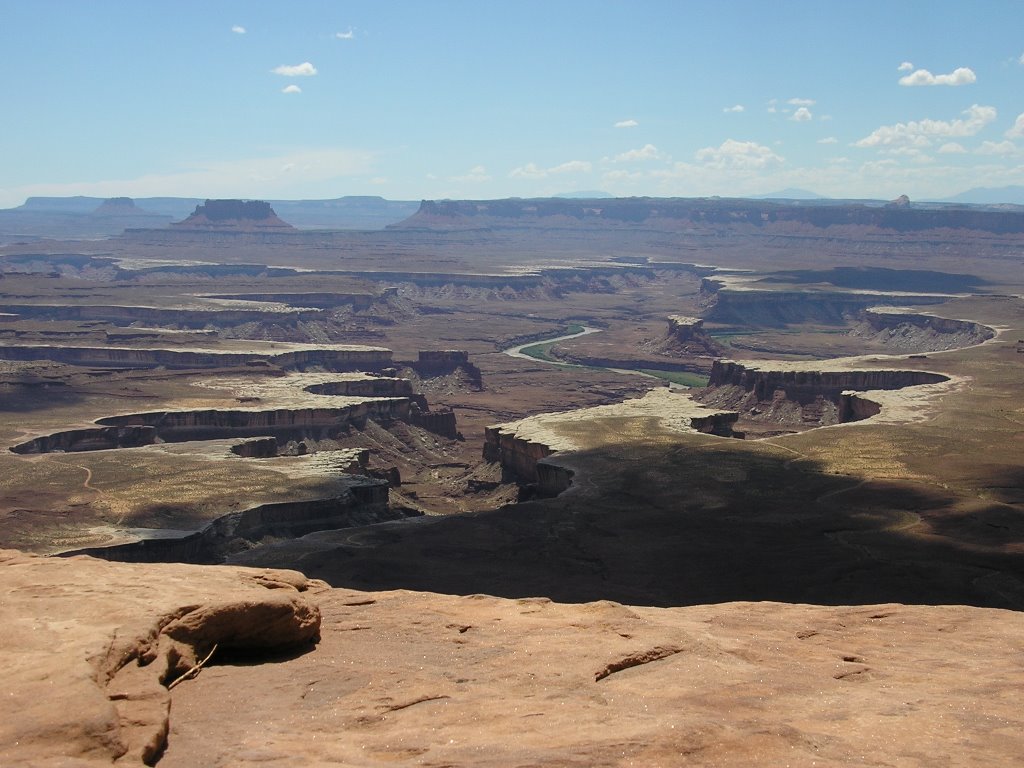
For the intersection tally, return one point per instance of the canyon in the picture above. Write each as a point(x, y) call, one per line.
point(786, 427)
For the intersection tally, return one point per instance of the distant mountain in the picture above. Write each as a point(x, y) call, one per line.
point(790, 193)
point(233, 216)
point(97, 217)
point(595, 194)
point(1012, 195)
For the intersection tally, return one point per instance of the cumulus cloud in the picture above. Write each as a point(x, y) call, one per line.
point(348, 35)
point(997, 148)
point(828, 140)
point(738, 154)
point(291, 89)
point(952, 148)
point(305, 69)
point(734, 108)
point(959, 76)
point(573, 166)
point(627, 124)
point(477, 174)
point(802, 102)
point(906, 66)
point(802, 115)
point(238, 30)
point(533, 171)
point(1017, 132)
point(646, 152)
point(919, 133)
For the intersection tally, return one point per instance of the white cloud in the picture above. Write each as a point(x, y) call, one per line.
point(828, 140)
point(477, 175)
point(528, 171)
point(646, 152)
point(573, 166)
point(997, 148)
point(959, 76)
point(305, 69)
point(952, 148)
point(734, 108)
point(919, 133)
point(291, 89)
point(1021, 59)
point(771, 105)
point(802, 115)
point(802, 102)
point(737, 154)
point(348, 35)
point(621, 175)
point(238, 30)
point(1017, 132)
point(906, 66)
point(533, 171)
point(627, 124)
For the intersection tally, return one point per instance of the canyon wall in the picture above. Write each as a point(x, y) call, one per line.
point(806, 385)
point(363, 502)
point(213, 424)
point(914, 332)
point(161, 316)
point(774, 308)
point(348, 359)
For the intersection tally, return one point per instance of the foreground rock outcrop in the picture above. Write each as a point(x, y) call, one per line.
point(89, 648)
point(424, 679)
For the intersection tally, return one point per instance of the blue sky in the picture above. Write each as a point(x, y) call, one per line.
point(483, 99)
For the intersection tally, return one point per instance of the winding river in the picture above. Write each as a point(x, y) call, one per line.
point(518, 353)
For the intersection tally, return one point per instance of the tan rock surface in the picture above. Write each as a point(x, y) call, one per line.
point(422, 679)
point(88, 647)
point(425, 679)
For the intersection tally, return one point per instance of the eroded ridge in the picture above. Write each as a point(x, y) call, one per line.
point(778, 397)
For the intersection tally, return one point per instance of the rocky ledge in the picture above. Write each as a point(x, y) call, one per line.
point(522, 446)
point(90, 648)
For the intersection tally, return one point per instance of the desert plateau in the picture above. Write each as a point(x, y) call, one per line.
point(549, 479)
point(533, 385)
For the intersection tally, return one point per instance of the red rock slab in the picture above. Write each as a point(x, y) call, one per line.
point(405, 678)
point(88, 648)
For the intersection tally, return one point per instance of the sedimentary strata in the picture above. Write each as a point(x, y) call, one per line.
point(916, 331)
point(331, 357)
point(364, 501)
point(802, 395)
point(135, 429)
point(732, 302)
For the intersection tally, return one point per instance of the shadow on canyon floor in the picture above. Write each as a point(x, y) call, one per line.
point(663, 525)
